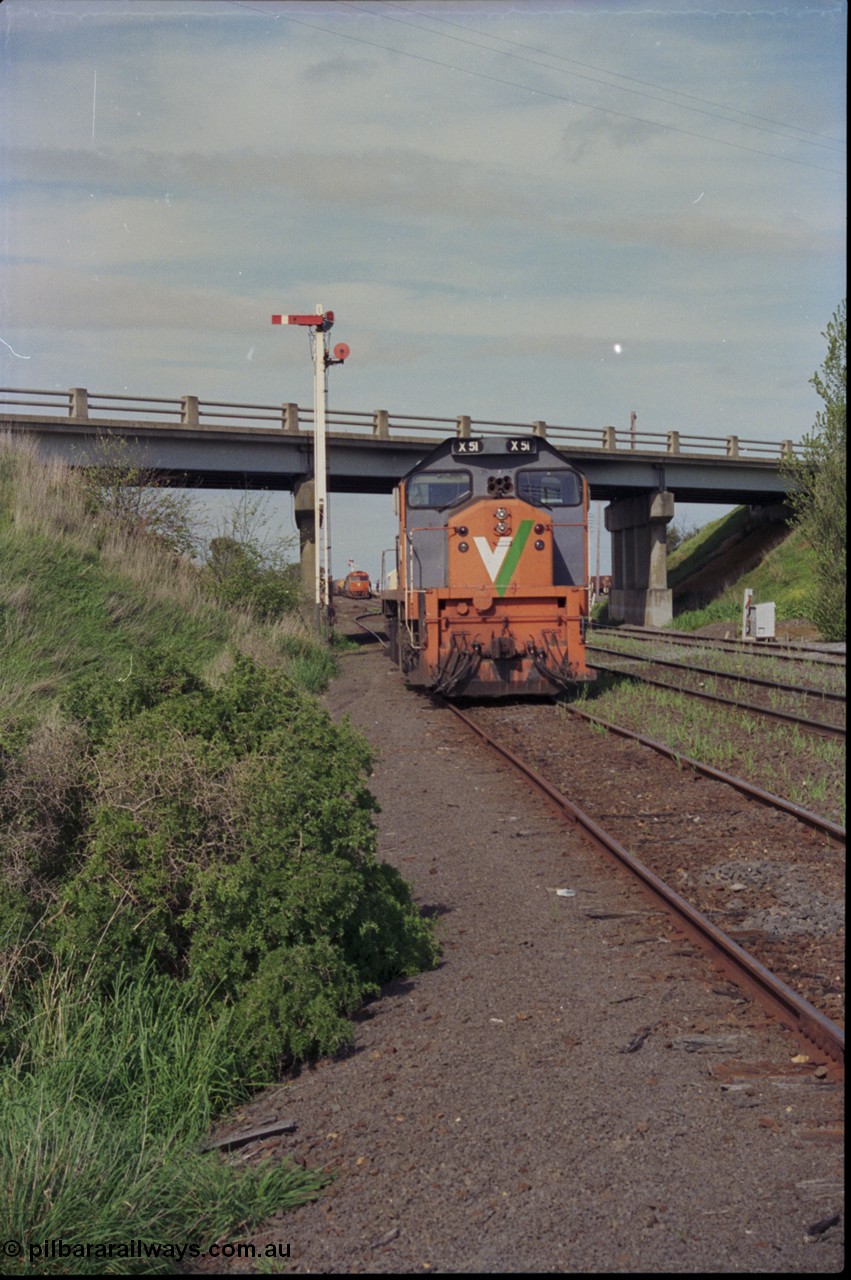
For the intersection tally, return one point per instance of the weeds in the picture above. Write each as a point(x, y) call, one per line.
point(802, 767)
point(189, 892)
point(102, 1115)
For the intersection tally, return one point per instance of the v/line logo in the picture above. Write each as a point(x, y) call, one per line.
point(501, 560)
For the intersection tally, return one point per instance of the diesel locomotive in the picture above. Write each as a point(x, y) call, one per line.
point(489, 597)
point(355, 586)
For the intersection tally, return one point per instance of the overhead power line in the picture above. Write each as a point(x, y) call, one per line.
point(829, 142)
point(545, 93)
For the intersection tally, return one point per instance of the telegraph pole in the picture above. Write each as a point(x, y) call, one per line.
point(320, 325)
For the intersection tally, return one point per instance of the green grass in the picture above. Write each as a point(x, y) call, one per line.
point(698, 550)
point(807, 769)
point(164, 768)
point(784, 576)
point(103, 1113)
point(66, 612)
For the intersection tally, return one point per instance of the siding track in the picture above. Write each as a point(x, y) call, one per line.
point(792, 957)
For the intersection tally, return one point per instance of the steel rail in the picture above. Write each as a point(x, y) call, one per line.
point(722, 675)
point(772, 993)
point(753, 648)
point(814, 820)
point(817, 726)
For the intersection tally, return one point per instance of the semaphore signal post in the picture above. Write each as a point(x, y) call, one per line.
point(319, 326)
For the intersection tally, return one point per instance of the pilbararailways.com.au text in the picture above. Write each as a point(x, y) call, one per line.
point(47, 1250)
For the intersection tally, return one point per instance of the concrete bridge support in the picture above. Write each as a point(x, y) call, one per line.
point(305, 519)
point(638, 527)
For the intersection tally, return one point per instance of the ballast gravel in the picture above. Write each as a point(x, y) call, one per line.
point(573, 1089)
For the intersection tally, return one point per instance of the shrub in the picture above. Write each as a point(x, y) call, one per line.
point(229, 833)
point(247, 568)
point(818, 486)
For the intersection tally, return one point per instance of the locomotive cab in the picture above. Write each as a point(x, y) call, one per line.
point(491, 594)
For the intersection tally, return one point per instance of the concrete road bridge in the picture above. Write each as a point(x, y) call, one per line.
point(223, 445)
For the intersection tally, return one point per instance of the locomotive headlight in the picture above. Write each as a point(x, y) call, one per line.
point(501, 513)
point(502, 526)
point(539, 545)
point(463, 546)
point(462, 531)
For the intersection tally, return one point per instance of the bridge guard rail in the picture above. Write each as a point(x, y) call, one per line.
point(81, 405)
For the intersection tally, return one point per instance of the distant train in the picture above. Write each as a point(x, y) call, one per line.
point(355, 585)
point(489, 597)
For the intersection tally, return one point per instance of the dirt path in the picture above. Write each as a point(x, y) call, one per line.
point(568, 1091)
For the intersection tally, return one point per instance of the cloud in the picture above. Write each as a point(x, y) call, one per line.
point(57, 297)
point(395, 180)
point(588, 137)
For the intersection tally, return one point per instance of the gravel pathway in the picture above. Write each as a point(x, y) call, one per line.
point(571, 1090)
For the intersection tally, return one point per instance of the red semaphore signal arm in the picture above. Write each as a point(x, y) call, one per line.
point(315, 321)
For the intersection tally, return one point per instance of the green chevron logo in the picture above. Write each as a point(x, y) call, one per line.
point(501, 560)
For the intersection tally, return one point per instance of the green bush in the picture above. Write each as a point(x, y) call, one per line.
point(229, 834)
point(189, 889)
point(240, 573)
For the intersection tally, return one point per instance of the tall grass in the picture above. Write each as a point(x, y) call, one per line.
point(103, 1109)
point(80, 591)
point(119, 670)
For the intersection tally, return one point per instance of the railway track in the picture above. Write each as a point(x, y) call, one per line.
point(793, 967)
point(795, 976)
point(827, 695)
point(828, 728)
point(753, 649)
point(815, 820)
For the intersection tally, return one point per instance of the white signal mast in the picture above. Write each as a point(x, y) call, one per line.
point(320, 324)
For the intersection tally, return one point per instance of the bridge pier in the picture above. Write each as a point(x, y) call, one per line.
point(640, 593)
point(305, 519)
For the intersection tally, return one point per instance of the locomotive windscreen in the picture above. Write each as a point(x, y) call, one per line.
point(436, 489)
point(550, 488)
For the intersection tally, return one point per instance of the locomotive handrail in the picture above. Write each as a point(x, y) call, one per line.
point(80, 405)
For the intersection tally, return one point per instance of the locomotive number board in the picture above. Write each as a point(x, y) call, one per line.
point(512, 444)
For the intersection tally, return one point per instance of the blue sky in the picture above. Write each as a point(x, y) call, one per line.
point(490, 195)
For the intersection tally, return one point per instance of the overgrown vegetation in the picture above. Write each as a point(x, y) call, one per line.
point(802, 767)
point(818, 486)
point(127, 493)
point(249, 568)
point(104, 1110)
point(782, 576)
point(189, 889)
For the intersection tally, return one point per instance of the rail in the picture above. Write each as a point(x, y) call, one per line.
point(80, 405)
point(771, 992)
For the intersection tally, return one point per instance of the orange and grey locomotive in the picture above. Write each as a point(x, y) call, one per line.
point(355, 585)
point(490, 593)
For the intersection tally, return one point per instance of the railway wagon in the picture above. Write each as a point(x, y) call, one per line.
point(490, 593)
point(355, 585)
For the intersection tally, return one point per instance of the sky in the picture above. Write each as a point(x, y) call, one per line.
point(517, 209)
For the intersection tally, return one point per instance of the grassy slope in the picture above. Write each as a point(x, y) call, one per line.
point(783, 575)
point(78, 595)
point(103, 1105)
